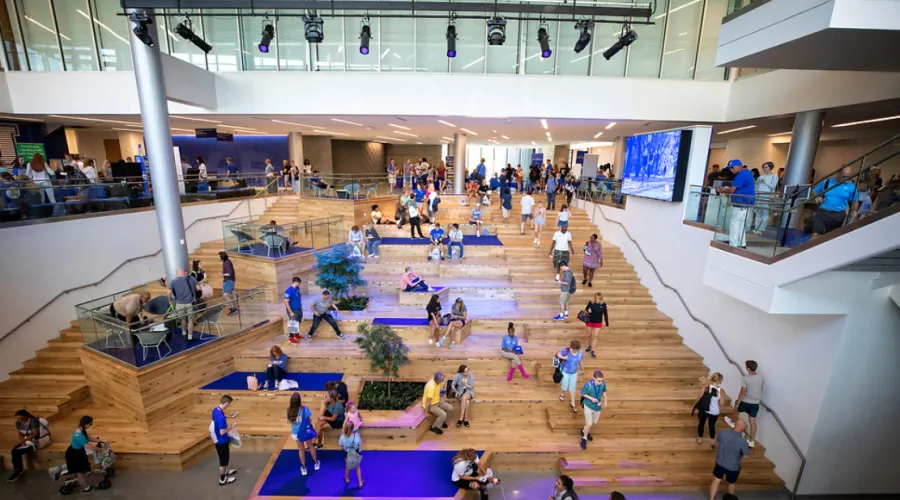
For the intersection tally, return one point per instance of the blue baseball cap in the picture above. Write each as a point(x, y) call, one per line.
point(734, 163)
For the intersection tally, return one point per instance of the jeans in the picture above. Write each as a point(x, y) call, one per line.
point(737, 226)
point(551, 200)
point(457, 244)
point(372, 246)
point(318, 319)
point(274, 374)
point(762, 219)
point(17, 454)
point(47, 190)
point(418, 287)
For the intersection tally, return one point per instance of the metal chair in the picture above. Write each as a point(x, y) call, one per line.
point(352, 190)
point(276, 241)
point(210, 317)
point(373, 189)
point(114, 332)
point(152, 339)
point(243, 239)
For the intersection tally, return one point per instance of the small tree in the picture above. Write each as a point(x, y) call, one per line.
point(339, 271)
point(385, 350)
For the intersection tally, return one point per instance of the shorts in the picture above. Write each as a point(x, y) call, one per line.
point(564, 298)
point(730, 476)
point(336, 425)
point(184, 310)
point(228, 286)
point(562, 223)
point(751, 409)
point(505, 212)
point(569, 382)
point(591, 416)
point(224, 453)
point(525, 217)
point(560, 257)
point(594, 325)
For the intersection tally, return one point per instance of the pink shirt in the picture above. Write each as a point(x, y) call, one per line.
point(407, 279)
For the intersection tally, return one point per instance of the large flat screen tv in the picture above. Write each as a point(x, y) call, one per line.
point(656, 165)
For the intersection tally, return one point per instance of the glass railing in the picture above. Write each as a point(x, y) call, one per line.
point(738, 7)
point(604, 191)
point(761, 228)
point(343, 186)
point(160, 330)
point(262, 238)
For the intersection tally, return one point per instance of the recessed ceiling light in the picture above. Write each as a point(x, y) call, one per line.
point(611, 125)
point(748, 127)
point(239, 132)
point(503, 136)
point(448, 138)
point(418, 143)
point(874, 120)
point(347, 122)
point(330, 133)
point(128, 130)
point(194, 119)
point(782, 133)
point(446, 123)
point(445, 142)
point(598, 135)
point(390, 138)
point(94, 119)
point(238, 127)
point(534, 143)
point(544, 123)
point(20, 119)
point(399, 126)
point(405, 133)
point(468, 131)
point(294, 123)
point(495, 131)
point(182, 129)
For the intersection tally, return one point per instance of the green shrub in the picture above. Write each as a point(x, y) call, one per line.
point(374, 395)
point(338, 271)
point(353, 303)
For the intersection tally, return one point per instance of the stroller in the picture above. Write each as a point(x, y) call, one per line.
point(104, 458)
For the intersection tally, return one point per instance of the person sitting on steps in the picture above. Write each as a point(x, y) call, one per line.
point(468, 475)
point(508, 351)
point(433, 402)
point(379, 218)
point(331, 418)
point(464, 388)
point(412, 282)
point(476, 219)
point(458, 320)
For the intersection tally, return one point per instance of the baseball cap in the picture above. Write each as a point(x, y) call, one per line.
point(734, 163)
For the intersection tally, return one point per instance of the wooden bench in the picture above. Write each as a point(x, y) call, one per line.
point(421, 298)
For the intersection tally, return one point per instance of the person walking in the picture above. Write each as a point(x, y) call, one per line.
point(392, 175)
point(219, 431)
point(561, 250)
point(300, 418)
point(566, 289)
point(77, 461)
point(562, 217)
point(293, 306)
point(707, 406)
point(570, 359)
point(743, 196)
point(505, 204)
point(594, 394)
point(540, 217)
point(551, 192)
point(182, 294)
point(464, 388)
point(732, 448)
point(597, 312)
point(415, 221)
point(434, 403)
point(749, 398)
point(564, 489)
point(321, 310)
point(351, 444)
point(228, 281)
point(527, 203)
point(508, 347)
point(593, 260)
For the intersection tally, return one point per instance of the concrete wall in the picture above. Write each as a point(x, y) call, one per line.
point(317, 149)
point(358, 157)
point(402, 152)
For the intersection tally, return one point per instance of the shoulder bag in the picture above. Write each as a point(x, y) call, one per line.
point(557, 374)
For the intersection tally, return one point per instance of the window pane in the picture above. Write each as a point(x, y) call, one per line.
point(534, 63)
point(179, 47)
point(40, 36)
point(504, 59)
point(568, 61)
point(357, 61)
point(431, 45)
point(643, 54)
point(329, 55)
point(706, 60)
point(291, 44)
point(221, 31)
point(681, 39)
point(605, 35)
point(472, 35)
point(397, 38)
point(112, 36)
point(75, 32)
point(12, 40)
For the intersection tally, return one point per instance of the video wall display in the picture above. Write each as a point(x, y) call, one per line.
point(655, 165)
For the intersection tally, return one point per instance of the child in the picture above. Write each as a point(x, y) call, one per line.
point(351, 443)
point(437, 236)
point(475, 220)
point(562, 217)
point(351, 414)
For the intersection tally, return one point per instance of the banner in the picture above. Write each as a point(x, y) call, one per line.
point(579, 157)
point(537, 158)
point(27, 150)
point(448, 161)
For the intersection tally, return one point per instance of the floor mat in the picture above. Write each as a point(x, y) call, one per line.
point(237, 381)
point(400, 321)
point(483, 241)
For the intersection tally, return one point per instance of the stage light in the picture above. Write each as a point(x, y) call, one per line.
point(496, 27)
point(140, 30)
point(268, 33)
point(314, 28)
point(184, 31)
point(451, 41)
point(544, 41)
point(627, 37)
point(365, 33)
point(584, 39)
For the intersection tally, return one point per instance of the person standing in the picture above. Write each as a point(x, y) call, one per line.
point(407, 174)
point(597, 312)
point(182, 293)
point(562, 217)
point(441, 173)
point(562, 249)
point(480, 172)
point(749, 398)
point(707, 406)
point(766, 183)
point(321, 310)
point(508, 347)
point(391, 170)
point(594, 393)
point(520, 178)
point(593, 260)
point(220, 430)
point(293, 306)
point(551, 191)
point(434, 403)
point(228, 279)
point(540, 216)
point(464, 387)
point(570, 359)
point(415, 221)
point(564, 489)
point(743, 196)
point(835, 196)
point(527, 202)
point(42, 176)
point(231, 170)
point(300, 418)
point(77, 461)
point(295, 177)
point(566, 289)
point(732, 448)
point(351, 444)
point(505, 203)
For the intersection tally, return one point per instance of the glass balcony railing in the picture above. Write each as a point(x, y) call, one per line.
point(262, 238)
point(605, 191)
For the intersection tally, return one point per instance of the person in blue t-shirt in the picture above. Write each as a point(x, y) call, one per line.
point(231, 169)
point(293, 305)
point(494, 182)
point(836, 196)
point(570, 360)
point(480, 171)
point(437, 237)
point(594, 393)
point(508, 348)
point(743, 196)
point(220, 430)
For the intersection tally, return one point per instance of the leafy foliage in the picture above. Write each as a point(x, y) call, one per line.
point(353, 303)
point(375, 396)
point(385, 350)
point(339, 271)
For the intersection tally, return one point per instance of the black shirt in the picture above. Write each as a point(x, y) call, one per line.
point(597, 312)
point(433, 311)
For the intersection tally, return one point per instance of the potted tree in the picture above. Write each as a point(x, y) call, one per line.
point(387, 354)
point(339, 272)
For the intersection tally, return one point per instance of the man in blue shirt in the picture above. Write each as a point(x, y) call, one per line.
point(551, 193)
point(293, 305)
point(835, 197)
point(219, 434)
point(231, 169)
point(743, 196)
point(437, 235)
point(594, 393)
point(570, 359)
point(481, 171)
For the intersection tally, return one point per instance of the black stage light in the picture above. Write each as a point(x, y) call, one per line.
point(184, 31)
point(365, 34)
point(544, 41)
point(627, 37)
point(451, 41)
point(496, 27)
point(140, 28)
point(267, 35)
point(584, 39)
point(315, 28)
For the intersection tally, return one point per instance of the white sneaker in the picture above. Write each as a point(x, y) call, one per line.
point(317, 465)
point(430, 341)
point(302, 471)
point(729, 422)
point(452, 345)
point(438, 345)
point(557, 277)
point(751, 444)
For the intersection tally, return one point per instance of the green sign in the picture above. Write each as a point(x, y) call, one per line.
point(27, 150)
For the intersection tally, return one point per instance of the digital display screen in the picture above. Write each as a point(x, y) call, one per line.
point(655, 165)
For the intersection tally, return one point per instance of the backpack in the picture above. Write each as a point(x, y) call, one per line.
point(450, 391)
point(557, 373)
point(703, 403)
point(572, 285)
point(435, 254)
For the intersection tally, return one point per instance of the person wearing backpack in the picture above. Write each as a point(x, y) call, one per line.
point(300, 418)
point(707, 406)
point(593, 398)
point(351, 443)
point(566, 289)
point(33, 434)
point(570, 359)
point(564, 489)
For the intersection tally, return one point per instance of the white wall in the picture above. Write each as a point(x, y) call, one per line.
point(42, 260)
point(90, 143)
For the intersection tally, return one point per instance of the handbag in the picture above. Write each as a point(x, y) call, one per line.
point(557, 373)
point(353, 458)
point(583, 316)
point(703, 403)
point(293, 326)
point(234, 438)
point(252, 383)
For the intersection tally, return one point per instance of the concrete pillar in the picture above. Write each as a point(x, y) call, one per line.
point(459, 163)
point(802, 151)
point(295, 148)
point(619, 157)
point(151, 88)
point(561, 154)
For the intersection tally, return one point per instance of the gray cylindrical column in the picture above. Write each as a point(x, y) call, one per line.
point(148, 73)
point(459, 163)
point(802, 151)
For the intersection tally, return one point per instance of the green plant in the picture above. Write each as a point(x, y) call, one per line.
point(353, 303)
point(385, 350)
point(339, 271)
point(374, 395)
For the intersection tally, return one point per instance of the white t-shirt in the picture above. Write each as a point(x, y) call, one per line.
point(714, 401)
point(431, 198)
point(413, 211)
point(527, 204)
point(563, 216)
point(461, 468)
point(561, 240)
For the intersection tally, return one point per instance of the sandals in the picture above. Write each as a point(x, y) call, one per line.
point(571, 405)
point(459, 424)
point(466, 423)
point(562, 397)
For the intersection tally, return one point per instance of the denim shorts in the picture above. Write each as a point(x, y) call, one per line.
point(569, 382)
point(228, 286)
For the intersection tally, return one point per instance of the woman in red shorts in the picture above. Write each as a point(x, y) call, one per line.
point(597, 314)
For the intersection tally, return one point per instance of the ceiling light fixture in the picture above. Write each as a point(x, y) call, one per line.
point(405, 133)
point(195, 119)
point(314, 28)
point(782, 133)
point(390, 138)
point(544, 123)
point(347, 122)
point(185, 30)
point(294, 123)
point(543, 39)
point(267, 35)
point(584, 38)
point(141, 21)
point(447, 123)
point(748, 127)
point(503, 136)
point(365, 34)
point(20, 119)
point(874, 120)
point(94, 119)
point(534, 143)
point(468, 131)
point(398, 126)
point(611, 125)
point(448, 138)
point(451, 36)
point(598, 135)
point(331, 133)
point(496, 28)
point(237, 127)
point(626, 38)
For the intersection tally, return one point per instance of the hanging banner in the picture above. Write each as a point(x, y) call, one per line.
point(537, 158)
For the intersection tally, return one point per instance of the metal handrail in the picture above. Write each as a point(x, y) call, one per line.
point(124, 263)
point(718, 343)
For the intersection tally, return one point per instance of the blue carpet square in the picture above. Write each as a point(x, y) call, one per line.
point(237, 381)
point(386, 474)
point(484, 241)
point(401, 321)
point(134, 355)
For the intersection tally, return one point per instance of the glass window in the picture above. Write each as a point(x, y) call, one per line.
point(605, 35)
point(397, 44)
point(681, 38)
point(643, 54)
point(329, 55)
point(534, 63)
point(472, 35)
point(76, 34)
point(112, 33)
point(12, 41)
point(254, 60)
point(291, 41)
point(221, 31)
point(431, 45)
point(357, 61)
point(504, 59)
point(568, 61)
point(179, 47)
point(40, 35)
point(706, 59)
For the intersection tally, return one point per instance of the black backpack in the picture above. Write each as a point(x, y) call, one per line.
point(703, 403)
point(572, 284)
point(450, 391)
